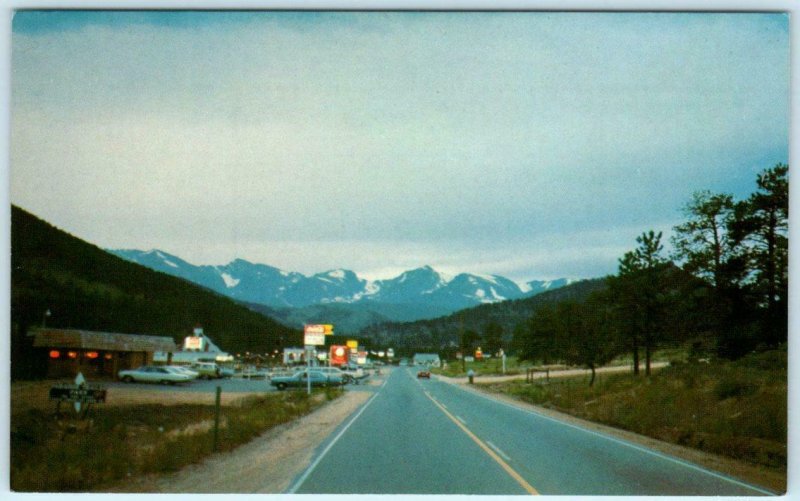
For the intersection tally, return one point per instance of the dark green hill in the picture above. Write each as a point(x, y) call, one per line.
point(85, 287)
point(443, 334)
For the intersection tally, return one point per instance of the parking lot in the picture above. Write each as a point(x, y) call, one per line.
point(228, 385)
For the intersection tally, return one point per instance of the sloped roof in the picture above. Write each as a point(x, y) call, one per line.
point(425, 357)
point(109, 341)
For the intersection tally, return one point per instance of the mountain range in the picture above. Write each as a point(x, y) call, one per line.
point(419, 293)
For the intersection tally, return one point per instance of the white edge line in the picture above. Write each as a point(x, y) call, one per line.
point(628, 444)
point(460, 419)
point(497, 450)
point(311, 468)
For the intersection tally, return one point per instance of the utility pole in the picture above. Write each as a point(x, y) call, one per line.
point(463, 350)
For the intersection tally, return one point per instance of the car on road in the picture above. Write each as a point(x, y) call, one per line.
point(153, 374)
point(301, 379)
point(426, 373)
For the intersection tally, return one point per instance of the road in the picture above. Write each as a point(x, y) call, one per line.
point(432, 437)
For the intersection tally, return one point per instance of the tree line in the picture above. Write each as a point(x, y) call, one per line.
point(723, 290)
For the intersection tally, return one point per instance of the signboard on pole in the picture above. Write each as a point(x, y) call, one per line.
point(314, 335)
point(338, 355)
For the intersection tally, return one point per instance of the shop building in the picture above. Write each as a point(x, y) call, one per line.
point(92, 353)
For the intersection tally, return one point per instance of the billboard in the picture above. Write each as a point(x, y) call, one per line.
point(338, 354)
point(193, 343)
point(314, 335)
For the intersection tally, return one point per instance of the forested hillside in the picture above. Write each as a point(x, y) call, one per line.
point(85, 287)
point(444, 335)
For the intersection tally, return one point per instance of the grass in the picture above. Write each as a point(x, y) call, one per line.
point(70, 455)
point(494, 366)
point(736, 409)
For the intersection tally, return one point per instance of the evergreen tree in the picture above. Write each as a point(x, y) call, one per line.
point(761, 228)
point(639, 295)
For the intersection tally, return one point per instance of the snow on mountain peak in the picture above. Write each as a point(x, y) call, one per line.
point(230, 282)
point(340, 274)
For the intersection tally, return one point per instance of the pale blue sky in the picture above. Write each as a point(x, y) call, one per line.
point(530, 145)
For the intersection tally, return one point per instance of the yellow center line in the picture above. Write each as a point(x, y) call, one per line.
point(516, 476)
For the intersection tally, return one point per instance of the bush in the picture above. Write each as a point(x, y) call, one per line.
point(734, 387)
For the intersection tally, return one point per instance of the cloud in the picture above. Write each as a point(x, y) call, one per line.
point(411, 134)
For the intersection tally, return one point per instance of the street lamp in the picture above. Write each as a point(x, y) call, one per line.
point(44, 318)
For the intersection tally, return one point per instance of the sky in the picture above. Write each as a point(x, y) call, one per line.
point(528, 145)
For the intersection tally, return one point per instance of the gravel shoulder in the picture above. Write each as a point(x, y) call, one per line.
point(265, 465)
point(763, 477)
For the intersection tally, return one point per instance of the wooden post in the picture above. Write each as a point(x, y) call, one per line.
point(216, 417)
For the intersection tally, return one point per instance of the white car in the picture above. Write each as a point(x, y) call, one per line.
point(153, 374)
point(183, 370)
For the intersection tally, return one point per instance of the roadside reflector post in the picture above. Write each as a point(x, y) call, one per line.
point(216, 417)
point(308, 372)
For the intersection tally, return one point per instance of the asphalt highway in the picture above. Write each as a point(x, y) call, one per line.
point(431, 437)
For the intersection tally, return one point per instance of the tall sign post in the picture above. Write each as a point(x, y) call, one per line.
point(314, 335)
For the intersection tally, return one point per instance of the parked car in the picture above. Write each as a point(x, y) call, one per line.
point(300, 380)
point(207, 370)
point(226, 371)
point(353, 373)
point(153, 374)
point(426, 373)
point(183, 370)
point(330, 371)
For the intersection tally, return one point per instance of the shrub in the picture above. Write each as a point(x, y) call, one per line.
point(730, 387)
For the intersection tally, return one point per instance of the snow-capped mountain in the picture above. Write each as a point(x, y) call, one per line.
point(267, 285)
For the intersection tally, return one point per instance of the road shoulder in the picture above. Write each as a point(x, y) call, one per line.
point(265, 465)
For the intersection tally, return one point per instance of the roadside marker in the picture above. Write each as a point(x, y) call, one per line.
point(516, 476)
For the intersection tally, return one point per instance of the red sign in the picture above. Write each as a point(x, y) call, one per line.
point(339, 355)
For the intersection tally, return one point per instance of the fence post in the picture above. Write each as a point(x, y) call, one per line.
point(216, 416)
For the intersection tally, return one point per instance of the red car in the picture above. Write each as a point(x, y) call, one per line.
point(424, 373)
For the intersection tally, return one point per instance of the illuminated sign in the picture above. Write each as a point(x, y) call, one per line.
point(338, 355)
point(193, 343)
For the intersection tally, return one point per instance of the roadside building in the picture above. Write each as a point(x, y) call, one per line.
point(92, 353)
point(196, 348)
point(429, 359)
point(297, 356)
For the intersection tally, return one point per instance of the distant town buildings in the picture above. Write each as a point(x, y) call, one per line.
point(430, 359)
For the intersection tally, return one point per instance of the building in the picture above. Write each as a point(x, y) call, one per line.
point(92, 353)
point(430, 359)
point(196, 348)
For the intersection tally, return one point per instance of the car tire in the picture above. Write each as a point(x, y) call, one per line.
point(127, 379)
point(281, 386)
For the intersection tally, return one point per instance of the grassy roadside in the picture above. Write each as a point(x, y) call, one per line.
point(734, 409)
point(68, 455)
point(494, 366)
